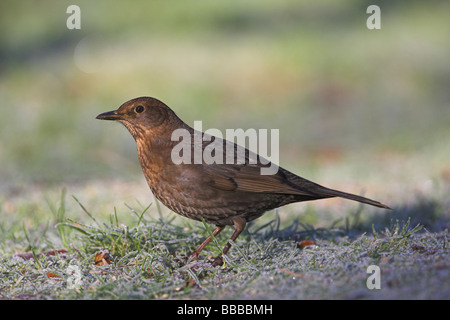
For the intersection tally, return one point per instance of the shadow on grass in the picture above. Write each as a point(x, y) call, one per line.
point(429, 215)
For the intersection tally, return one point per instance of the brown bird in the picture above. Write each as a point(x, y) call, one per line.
point(221, 194)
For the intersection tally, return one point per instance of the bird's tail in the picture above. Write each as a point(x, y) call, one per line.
point(350, 196)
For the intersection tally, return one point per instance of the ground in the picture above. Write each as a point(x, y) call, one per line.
point(278, 257)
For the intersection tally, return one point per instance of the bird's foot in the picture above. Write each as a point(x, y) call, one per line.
point(217, 261)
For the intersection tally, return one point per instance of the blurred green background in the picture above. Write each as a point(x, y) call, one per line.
point(356, 108)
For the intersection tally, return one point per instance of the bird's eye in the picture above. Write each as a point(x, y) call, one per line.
point(139, 109)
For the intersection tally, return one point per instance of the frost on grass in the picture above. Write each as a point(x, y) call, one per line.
point(265, 262)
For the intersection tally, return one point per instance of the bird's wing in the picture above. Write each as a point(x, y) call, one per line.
point(248, 178)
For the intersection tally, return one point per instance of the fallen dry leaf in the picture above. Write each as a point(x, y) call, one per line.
point(102, 258)
point(305, 243)
point(417, 247)
point(29, 255)
point(52, 275)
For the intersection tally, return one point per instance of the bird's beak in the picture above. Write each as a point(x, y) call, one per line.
point(110, 115)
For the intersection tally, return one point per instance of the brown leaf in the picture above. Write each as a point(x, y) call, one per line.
point(54, 252)
point(29, 255)
point(52, 275)
point(24, 255)
point(102, 258)
point(417, 247)
point(305, 243)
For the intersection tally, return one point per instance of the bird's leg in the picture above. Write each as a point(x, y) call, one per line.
point(239, 225)
point(205, 243)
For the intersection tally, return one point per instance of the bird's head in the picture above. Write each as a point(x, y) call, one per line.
point(142, 116)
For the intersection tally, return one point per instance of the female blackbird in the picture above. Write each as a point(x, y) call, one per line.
point(222, 193)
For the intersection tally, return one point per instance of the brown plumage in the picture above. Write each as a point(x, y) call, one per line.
point(221, 194)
